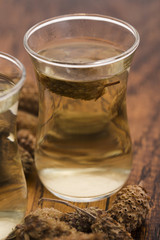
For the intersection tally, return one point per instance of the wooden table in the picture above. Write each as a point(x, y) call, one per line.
point(16, 16)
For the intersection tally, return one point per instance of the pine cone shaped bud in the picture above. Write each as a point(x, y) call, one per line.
point(130, 207)
point(81, 221)
point(111, 228)
point(26, 140)
point(41, 224)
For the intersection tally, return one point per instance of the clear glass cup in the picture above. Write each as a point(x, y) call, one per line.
point(13, 191)
point(83, 151)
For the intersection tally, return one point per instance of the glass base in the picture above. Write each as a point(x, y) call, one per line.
point(82, 199)
point(85, 185)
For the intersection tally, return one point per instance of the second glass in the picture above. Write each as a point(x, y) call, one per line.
point(84, 150)
point(13, 189)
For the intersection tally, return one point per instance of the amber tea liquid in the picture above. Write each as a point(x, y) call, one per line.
point(84, 148)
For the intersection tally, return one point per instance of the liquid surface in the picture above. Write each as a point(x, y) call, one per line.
point(84, 147)
point(12, 182)
point(79, 51)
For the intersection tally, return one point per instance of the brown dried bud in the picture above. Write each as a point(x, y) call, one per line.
point(26, 140)
point(116, 223)
point(48, 213)
point(130, 207)
point(27, 160)
point(29, 99)
point(81, 221)
point(41, 224)
point(111, 228)
point(27, 121)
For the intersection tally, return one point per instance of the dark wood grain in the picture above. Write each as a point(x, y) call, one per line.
point(17, 16)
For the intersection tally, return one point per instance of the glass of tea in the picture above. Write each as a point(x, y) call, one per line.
point(83, 151)
point(13, 191)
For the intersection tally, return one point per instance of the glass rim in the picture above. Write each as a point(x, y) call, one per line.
point(82, 16)
point(10, 92)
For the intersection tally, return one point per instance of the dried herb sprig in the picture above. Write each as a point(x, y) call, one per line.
point(129, 211)
point(68, 205)
point(49, 224)
point(77, 90)
point(90, 219)
point(81, 219)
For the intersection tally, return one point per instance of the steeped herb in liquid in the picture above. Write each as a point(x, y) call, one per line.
point(84, 147)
